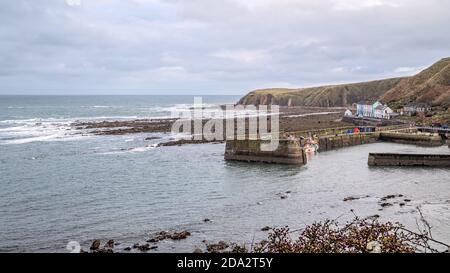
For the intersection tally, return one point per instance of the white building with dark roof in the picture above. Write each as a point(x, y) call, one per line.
point(348, 113)
point(383, 111)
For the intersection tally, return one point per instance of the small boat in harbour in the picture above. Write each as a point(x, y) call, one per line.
point(311, 146)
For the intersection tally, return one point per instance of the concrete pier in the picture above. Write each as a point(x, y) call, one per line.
point(290, 151)
point(418, 160)
point(287, 152)
point(416, 139)
point(328, 143)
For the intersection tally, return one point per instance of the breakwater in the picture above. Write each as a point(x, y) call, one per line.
point(432, 140)
point(393, 159)
point(288, 151)
point(328, 143)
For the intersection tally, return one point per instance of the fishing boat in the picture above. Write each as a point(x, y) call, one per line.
point(311, 146)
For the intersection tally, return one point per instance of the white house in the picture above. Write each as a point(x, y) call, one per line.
point(383, 111)
point(348, 113)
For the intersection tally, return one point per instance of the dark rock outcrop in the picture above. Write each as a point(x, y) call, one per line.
point(95, 245)
point(218, 247)
point(173, 235)
point(109, 244)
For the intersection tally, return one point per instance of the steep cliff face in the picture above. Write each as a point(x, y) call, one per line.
point(325, 96)
point(432, 85)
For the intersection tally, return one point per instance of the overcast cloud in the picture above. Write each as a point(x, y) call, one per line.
point(213, 46)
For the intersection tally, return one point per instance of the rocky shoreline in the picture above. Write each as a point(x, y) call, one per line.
point(150, 244)
point(291, 119)
point(125, 127)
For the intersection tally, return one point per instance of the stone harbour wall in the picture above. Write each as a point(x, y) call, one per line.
point(392, 159)
point(342, 141)
point(288, 152)
point(416, 139)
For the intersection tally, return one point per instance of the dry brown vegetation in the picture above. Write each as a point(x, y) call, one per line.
point(367, 235)
point(431, 85)
point(325, 96)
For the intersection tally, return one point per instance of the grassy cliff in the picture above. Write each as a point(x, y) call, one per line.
point(431, 85)
point(325, 96)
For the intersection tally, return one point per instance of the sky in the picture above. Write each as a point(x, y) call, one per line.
point(213, 46)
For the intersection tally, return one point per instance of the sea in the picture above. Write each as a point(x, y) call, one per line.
point(60, 185)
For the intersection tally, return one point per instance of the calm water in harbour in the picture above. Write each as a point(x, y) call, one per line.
point(58, 186)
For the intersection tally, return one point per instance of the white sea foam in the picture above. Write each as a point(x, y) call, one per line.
point(44, 137)
point(101, 106)
point(21, 131)
point(131, 150)
point(16, 107)
point(32, 139)
point(37, 130)
point(143, 149)
point(186, 111)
